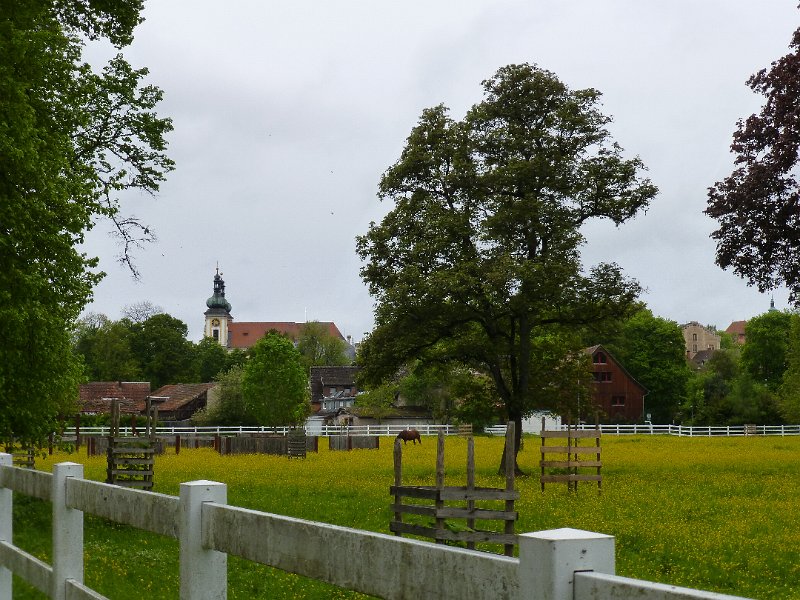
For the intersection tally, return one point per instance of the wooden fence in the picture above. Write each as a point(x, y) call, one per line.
point(354, 442)
point(571, 463)
point(460, 503)
point(559, 564)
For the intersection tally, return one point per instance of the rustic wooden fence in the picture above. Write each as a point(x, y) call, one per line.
point(354, 442)
point(268, 444)
point(571, 463)
point(448, 503)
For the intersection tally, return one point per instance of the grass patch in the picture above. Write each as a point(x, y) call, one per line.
point(711, 513)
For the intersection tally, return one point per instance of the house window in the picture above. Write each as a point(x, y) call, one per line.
point(215, 334)
point(694, 348)
point(604, 376)
point(694, 337)
point(618, 401)
point(600, 358)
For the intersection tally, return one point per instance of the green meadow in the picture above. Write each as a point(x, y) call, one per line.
point(718, 514)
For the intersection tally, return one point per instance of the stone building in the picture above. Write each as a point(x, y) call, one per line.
point(697, 337)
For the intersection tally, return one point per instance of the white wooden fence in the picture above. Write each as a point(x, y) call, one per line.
point(560, 564)
point(393, 430)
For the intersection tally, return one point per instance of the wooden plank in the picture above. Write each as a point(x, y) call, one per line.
point(569, 449)
point(454, 512)
point(134, 483)
point(413, 509)
point(133, 451)
point(429, 493)
point(581, 433)
point(566, 464)
point(460, 493)
point(454, 536)
point(571, 477)
point(481, 514)
point(122, 460)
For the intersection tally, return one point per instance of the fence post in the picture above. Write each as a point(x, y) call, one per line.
point(203, 572)
point(67, 532)
point(548, 559)
point(6, 525)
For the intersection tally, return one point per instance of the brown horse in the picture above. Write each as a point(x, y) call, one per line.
point(409, 434)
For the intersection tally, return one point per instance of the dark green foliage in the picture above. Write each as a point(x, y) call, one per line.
point(757, 204)
point(70, 140)
point(161, 348)
point(274, 383)
point(764, 352)
point(789, 391)
point(478, 262)
point(652, 349)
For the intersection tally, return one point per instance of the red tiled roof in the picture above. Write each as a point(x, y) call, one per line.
point(132, 395)
point(736, 328)
point(244, 335)
point(180, 393)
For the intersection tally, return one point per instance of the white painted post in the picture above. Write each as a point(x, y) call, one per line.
point(67, 532)
point(203, 572)
point(6, 525)
point(548, 559)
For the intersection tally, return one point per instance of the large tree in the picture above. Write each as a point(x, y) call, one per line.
point(764, 355)
point(652, 349)
point(71, 140)
point(319, 348)
point(274, 383)
point(758, 204)
point(162, 350)
point(481, 247)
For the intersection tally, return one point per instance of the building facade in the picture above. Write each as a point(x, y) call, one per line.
point(697, 338)
point(615, 392)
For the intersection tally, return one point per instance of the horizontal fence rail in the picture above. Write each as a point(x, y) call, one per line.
point(393, 430)
point(560, 564)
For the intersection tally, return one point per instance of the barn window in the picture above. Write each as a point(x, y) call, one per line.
point(618, 401)
point(600, 358)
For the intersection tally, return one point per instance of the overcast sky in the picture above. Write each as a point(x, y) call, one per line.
point(287, 113)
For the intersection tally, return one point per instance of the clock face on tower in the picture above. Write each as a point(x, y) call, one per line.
point(215, 322)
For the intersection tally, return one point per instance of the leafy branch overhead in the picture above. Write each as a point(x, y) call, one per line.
point(758, 205)
point(479, 255)
point(73, 141)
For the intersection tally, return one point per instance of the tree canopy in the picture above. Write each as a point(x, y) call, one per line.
point(478, 260)
point(274, 383)
point(319, 348)
point(652, 349)
point(758, 204)
point(72, 140)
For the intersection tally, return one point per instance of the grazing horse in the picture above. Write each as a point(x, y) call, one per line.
point(409, 434)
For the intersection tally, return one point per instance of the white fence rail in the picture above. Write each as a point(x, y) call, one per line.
point(561, 564)
point(393, 430)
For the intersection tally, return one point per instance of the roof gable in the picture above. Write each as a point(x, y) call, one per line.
point(180, 394)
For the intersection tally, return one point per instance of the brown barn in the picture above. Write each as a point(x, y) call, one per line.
point(616, 393)
point(183, 400)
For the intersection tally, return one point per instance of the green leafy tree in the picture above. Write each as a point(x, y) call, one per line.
point(162, 350)
point(765, 347)
point(789, 392)
point(318, 348)
point(209, 359)
point(105, 347)
point(229, 407)
point(756, 205)
point(652, 349)
point(71, 140)
point(275, 383)
point(481, 246)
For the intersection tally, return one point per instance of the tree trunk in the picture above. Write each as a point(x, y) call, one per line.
point(517, 420)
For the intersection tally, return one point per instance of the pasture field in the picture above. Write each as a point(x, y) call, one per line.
point(718, 514)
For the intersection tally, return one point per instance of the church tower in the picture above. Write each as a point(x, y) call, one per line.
point(218, 314)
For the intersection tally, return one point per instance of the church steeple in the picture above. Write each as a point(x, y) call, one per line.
point(218, 314)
